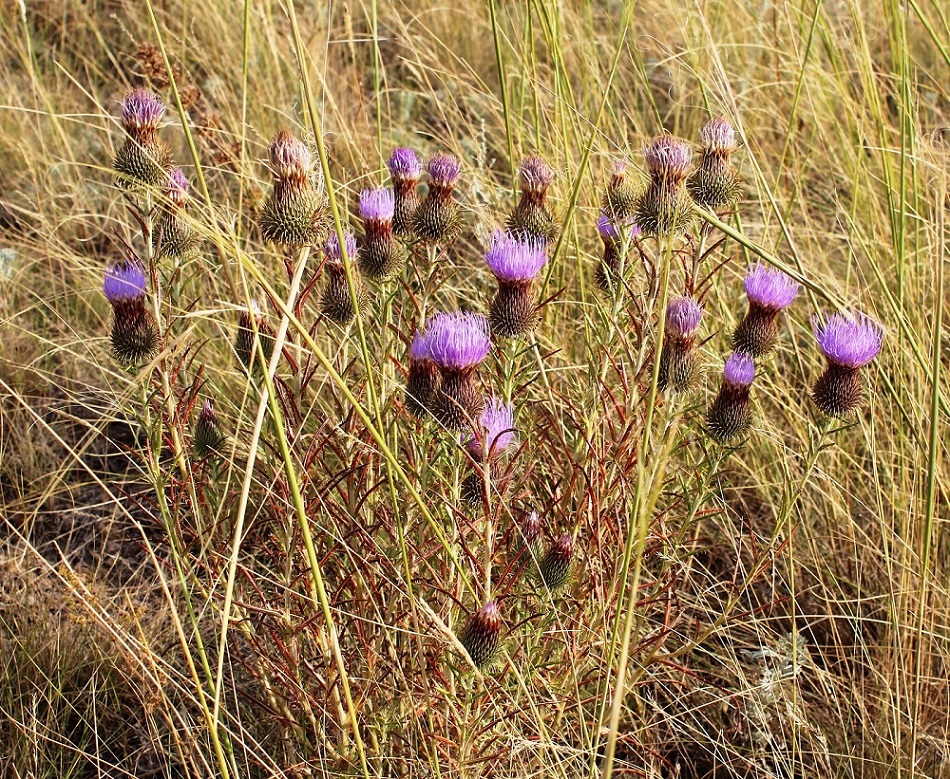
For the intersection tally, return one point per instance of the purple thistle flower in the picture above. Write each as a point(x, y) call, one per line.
point(141, 110)
point(404, 165)
point(769, 288)
point(377, 205)
point(457, 341)
point(668, 157)
point(536, 175)
point(332, 247)
point(607, 228)
point(739, 370)
point(850, 339)
point(683, 316)
point(496, 431)
point(124, 281)
point(176, 190)
point(515, 259)
point(718, 136)
point(419, 349)
point(290, 157)
point(444, 170)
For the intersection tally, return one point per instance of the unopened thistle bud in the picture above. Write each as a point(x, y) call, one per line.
point(679, 357)
point(515, 261)
point(482, 633)
point(769, 292)
point(336, 304)
point(143, 158)
point(555, 566)
point(532, 218)
point(610, 270)
point(295, 213)
point(380, 256)
point(620, 200)
point(209, 439)
point(715, 183)
point(245, 342)
point(405, 171)
point(437, 219)
point(423, 379)
point(457, 344)
point(528, 535)
point(134, 333)
point(173, 236)
point(494, 434)
point(849, 341)
point(665, 207)
point(729, 414)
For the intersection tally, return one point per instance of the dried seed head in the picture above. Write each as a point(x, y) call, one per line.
point(718, 136)
point(141, 112)
point(668, 158)
point(290, 158)
point(295, 213)
point(536, 175)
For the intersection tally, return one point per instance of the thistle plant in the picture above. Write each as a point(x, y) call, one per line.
point(515, 261)
point(665, 207)
point(610, 271)
point(555, 567)
point(493, 436)
point(715, 183)
point(770, 292)
point(134, 331)
point(336, 304)
point(405, 170)
point(729, 415)
point(173, 237)
point(457, 343)
point(380, 257)
point(679, 356)
point(209, 439)
point(295, 213)
point(422, 380)
point(253, 329)
point(143, 159)
point(620, 199)
point(481, 635)
point(532, 219)
point(849, 341)
point(436, 220)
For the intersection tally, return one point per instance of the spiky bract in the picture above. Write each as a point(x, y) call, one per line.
point(729, 414)
point(482, 634)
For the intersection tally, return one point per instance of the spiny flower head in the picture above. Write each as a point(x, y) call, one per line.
point(683, 316)
point(718, 136)
point(444, 171)
point(850, 339)
point(481, 635)
point(458, 340)
point(332, 247)
point(608, 230)
point(377, 205)
point(176, 190)
point(290, 158)
point(496, 432)
point(404, 165)
point(124, 281)
point(515, 259)
point(739, 370)
point(419, 348)
point(668, 158)
point(141, 110)
point(536, 175)
point(770, 288)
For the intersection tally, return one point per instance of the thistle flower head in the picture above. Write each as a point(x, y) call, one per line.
point(555, 567)
point(609, 231)
point(668, 157)
point(618, 172)
point(141, 110)
point(770, 288)
point(496, 431)
point(850, 339)
point(739, 370)
point(419, 348)
point(377, 205)
point(124, 281)
point(444, 170)
point(718, 136)
point(458, 340)
point(176, 190)
point(531, 528)
point(404, 165)
point(683, 316)
point(331, 248)
point(536, 175)
point(513, 258)
point(290, 158)
point(480, 636)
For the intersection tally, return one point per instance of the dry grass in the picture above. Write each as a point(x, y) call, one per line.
point(792, 611)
